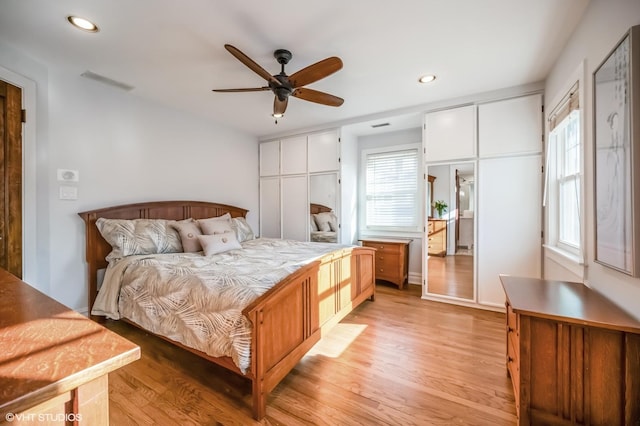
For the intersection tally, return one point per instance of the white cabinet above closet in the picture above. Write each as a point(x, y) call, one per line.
point(323, 152)
point(511, 126)
point(270, 158)
point(293, 155)
point(450, 134)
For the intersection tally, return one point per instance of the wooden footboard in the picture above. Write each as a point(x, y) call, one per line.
point(291, 317)
point(287, 320)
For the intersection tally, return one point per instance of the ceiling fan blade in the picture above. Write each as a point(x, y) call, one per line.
point(279, 107)
point(317, 97)
point(251, 64)
point(315, 72)
point(251, 89)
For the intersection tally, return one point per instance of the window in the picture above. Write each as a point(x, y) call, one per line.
point(391, 189)
point(564, 176)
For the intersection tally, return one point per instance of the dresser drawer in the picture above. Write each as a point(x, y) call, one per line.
point(384, 248)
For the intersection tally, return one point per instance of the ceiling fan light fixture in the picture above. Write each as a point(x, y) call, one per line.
point(277, 115)
point(428, 78)
point(83, 24)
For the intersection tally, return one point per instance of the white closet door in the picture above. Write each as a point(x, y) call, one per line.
point(323, 152)
point(295, 208)
point(270, 208)
point(294, 155)
point(509, 223)
point(450, 134)
point(511, 126)
point(270, 158)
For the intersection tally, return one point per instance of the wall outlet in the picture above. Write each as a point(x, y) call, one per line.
point(68, 192)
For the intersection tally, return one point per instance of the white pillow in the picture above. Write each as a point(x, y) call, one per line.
point(242, 228)
point(216, 225)
point(189, 231)
point(218, 243)
point(326, 221)
point(139, 236)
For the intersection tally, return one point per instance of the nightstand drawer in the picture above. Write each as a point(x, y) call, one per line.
point(384, 248)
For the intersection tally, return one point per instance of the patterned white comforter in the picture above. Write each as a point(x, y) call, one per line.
point(198, 300)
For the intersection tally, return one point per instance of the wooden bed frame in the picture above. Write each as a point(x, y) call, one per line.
point(319, 208)
point(287, 320)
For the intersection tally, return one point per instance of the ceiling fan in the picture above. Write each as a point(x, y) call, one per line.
point(284, 86)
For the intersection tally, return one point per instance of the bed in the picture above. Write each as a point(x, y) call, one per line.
point(323, 223)
point(285, 321)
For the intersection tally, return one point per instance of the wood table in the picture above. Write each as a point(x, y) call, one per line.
point(54, 362)
point(573, 355)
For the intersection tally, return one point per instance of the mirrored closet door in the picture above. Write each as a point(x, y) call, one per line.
point(323, 208)
point(450, 241)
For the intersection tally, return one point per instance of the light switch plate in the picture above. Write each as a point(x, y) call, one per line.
point(68, 192)
point(67, 175)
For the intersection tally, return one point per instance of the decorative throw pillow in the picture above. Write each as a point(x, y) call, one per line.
point(215, 225)
point(139, 236)
point(188, 230)
point(312, 222)
point(322, 220)
point(218, 243)
point(242, 229)
point(333, 222)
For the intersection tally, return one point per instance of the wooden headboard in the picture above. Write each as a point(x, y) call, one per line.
point(97, 248)
point(319, 208)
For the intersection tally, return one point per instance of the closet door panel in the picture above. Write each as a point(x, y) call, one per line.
point(295, 208)
point(294, 155)
point(509, 223)
point(450, 134)
point(511, 126)
point(270, 208)
point(323, 152)
point(270, 158)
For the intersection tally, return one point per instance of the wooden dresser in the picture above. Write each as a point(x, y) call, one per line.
point(392, 259)
point(437, 237)
point(573, 356)
point(54, 362)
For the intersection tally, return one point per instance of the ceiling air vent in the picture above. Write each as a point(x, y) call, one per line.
point(102, 79)
point(375, 126)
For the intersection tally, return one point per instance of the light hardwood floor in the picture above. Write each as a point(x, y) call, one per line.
point(399, 360)
point(451, 276)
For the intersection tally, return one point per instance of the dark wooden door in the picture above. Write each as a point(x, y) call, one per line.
point(11, 178)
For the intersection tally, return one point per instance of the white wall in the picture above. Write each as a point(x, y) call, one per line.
point(401, 137)
point(126, 149)
point(349, 188)
point(602, 26)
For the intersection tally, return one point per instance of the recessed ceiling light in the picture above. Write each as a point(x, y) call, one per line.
point(427, 78)
point(83, 24)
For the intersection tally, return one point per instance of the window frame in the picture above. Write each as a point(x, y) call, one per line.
point(569, 255)
point(365, 153)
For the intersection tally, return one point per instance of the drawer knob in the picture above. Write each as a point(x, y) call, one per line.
point(510, 329)
point(510, 359)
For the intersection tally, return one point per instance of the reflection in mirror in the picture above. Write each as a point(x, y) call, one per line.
point(323, 198)
point(450, 231)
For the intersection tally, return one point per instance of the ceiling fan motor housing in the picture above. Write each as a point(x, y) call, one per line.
point(284, 90)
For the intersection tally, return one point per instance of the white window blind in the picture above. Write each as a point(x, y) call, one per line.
point(392, 189)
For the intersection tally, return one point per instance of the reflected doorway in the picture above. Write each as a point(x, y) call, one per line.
point(450, 244)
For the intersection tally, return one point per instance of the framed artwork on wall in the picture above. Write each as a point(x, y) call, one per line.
point(616, 121)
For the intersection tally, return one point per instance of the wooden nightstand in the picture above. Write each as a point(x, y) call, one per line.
point(392, 259)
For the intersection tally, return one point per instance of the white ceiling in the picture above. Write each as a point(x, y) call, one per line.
point(172, 51)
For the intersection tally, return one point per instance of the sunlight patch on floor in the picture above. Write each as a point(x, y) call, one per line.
point(338, 340)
